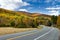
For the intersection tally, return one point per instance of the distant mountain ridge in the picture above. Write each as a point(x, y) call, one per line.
point(22, 12)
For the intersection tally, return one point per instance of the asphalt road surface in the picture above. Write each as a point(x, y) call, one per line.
point(47, 33)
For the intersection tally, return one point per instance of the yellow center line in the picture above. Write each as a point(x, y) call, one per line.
point(21, 36)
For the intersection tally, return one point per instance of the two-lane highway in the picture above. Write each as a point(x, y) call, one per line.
point(47, 33)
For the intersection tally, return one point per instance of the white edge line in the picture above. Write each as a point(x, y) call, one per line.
point(44, 34)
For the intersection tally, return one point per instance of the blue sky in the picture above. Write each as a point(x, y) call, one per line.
point(50, 7)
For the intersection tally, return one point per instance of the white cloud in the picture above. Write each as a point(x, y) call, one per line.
point(12, 4)
point(52, 2)
point(47, 1)
point(33, 0)
point(23, 10)
point(53, 8)
point(57, 0)
point(54, 12)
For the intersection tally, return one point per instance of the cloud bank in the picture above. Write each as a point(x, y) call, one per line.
point(23, 10)
point(12, 4)
point(53, 10)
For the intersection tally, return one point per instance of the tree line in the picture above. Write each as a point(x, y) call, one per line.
point(21, 21)
point(15, 19)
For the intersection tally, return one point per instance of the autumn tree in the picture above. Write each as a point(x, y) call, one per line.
point(54, 19)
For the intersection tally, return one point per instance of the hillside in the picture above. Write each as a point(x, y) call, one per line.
point(22, 13)
point(22, 19)
point(58, 22)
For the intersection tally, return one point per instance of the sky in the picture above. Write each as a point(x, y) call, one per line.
point(50, 7)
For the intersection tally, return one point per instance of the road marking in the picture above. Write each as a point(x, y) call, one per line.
point(44, 34)
point(22, 36)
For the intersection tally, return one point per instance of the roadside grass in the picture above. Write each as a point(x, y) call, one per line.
point(58, 27)
point(10, 30)
point(40, 27)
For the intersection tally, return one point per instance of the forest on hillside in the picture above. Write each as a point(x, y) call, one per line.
point(23, 19)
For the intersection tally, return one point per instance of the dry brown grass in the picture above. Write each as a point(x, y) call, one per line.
point(10, 30)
